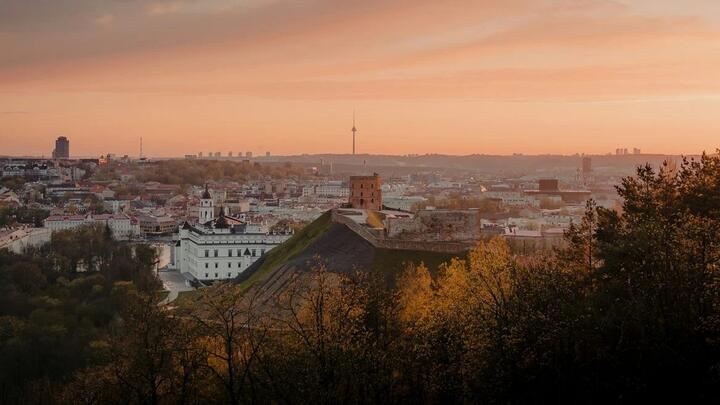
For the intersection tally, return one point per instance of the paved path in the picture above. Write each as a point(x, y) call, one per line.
point(174, 282)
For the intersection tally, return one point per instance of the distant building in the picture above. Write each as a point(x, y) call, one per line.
point(248, 154)
point(405, 203)
point(545, 185)
point(586, 171)
point(120, 224)
point(230, 154)
point(586, 165)
point(549, 189)
point(267, 154)
point(329, 189)
point(636, 151)
point(365, 192)
point(200, 154)
point(436, 225)
point(62, 148)
point(156, 225)
point(220, 247)
point(69, 190)
point(326, 168)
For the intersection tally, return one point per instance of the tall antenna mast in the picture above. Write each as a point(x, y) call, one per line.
point(353, 131)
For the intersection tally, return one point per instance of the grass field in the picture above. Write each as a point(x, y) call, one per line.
point(292, 247)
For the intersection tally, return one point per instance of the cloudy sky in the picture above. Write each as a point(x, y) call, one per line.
point(424, 76)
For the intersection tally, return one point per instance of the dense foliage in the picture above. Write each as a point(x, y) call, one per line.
point(459, 202)
point(629, 312)
point(14, 183)
point(32, 216)
point(198, 172)
point(55, 320)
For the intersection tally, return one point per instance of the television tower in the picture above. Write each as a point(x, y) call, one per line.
point(354, 130)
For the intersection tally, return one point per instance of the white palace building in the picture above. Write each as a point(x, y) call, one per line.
point(220, 248)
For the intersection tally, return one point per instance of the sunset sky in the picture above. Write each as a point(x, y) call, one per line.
point(424, 76)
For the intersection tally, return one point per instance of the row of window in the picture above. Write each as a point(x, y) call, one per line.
point(362, 195)
point(207, 275)
point(229, 265)
point(240, 253)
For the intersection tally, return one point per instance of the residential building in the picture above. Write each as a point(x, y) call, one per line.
point(120, 224)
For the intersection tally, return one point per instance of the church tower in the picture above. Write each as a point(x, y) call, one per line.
point(207, 211)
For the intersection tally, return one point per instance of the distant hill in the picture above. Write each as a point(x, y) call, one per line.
point(338, 247)
point(389, 164)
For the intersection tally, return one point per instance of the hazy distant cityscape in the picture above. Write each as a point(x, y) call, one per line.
point(359, 202)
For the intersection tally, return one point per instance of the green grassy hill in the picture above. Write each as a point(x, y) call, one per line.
point(286, 251)
point(339, 248)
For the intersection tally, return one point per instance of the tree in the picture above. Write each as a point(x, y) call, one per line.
point(232, 337)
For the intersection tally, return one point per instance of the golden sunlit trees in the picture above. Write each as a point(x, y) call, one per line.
point(231, 337)
point(322, 314)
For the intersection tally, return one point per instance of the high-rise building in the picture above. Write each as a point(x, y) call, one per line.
point(248, 154)
point(230, 154)
point(267, 154)
point(62, 148)
point(586, 165)
point(200, 154)
point(365, 192)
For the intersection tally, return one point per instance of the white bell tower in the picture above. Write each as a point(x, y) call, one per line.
point(207, 210)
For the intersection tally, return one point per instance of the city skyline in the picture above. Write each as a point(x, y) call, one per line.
point(461, 77)
point(62, 151)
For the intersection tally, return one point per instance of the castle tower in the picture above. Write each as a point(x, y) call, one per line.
point(366, 192)
point(207, 210)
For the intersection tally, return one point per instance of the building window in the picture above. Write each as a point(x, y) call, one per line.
point(216, 265)
point(229, 274)
point(239, 252)
point(206, 275)
point(253, 252)
point(207, 253)
point(239, 265)
point(229, 264)
point(206, 265)
point(216, 253)
point(229, 252)
point(216, 275)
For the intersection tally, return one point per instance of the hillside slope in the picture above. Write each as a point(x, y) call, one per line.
point(336, 246)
